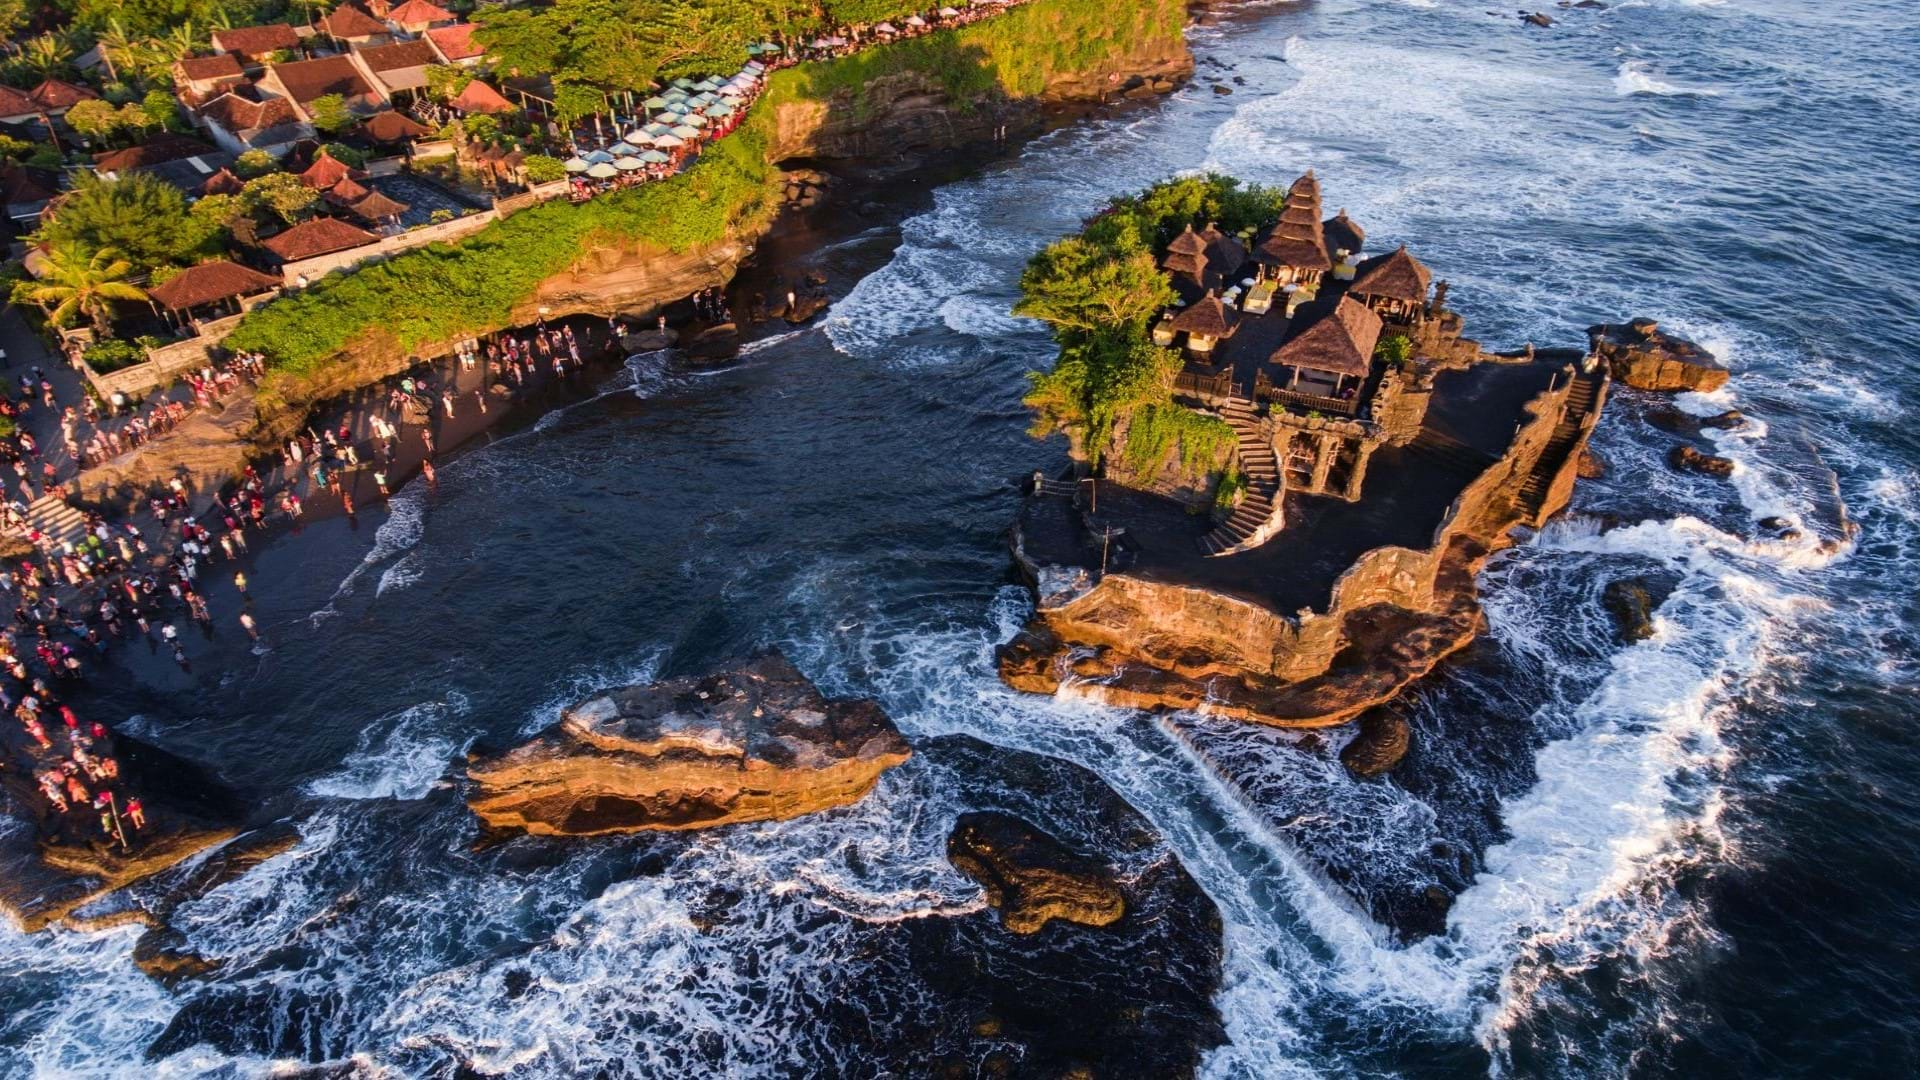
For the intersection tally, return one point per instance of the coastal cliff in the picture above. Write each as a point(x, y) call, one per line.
point(893, 107)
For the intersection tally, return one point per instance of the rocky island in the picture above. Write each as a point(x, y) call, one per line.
point(1288, 461)
point(755, 742)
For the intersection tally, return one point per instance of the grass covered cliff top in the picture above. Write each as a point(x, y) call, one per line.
point(447, 291)
point(1100, 290)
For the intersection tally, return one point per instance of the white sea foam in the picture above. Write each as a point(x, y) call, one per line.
point(401, 756)
point(1635, 77)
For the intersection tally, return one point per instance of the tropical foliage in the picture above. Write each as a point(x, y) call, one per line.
point(74, 283)
point(1099, 292)
point(140, 216)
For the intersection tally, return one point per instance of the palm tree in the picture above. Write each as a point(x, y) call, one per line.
point(119, 50)
point(46, 55)
point(73, 283)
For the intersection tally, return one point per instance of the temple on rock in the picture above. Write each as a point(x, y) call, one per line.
point(1294, 327)
point(1280, 497)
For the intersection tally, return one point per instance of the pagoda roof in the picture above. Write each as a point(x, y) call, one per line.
point(415, 12)
point(1208, 317)
point(1340, 341)
point(327, 171)
point(209, 282)
point(1396, 276)
point(478, 97)
point(320, 236)
point(376, 207)
point(388, 126)
point(1188, 242)
point(1342, 232)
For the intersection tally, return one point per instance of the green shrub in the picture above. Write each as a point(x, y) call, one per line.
point(544, 169)
point(1394, 349)
point(112, 355)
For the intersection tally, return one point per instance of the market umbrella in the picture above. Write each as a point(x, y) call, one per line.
point(669, 117)
point(753, 67)
point(702, 98)
point(708, 83)
point(629, 163)
point(655, 102)
point(769, 47)
point(576, 164)
point(598, 157)
point(886, 28)
point(720, 108)
point(694, 120)
point(639, 135)
point(654, 131)
point(685, 132)
point(623, 149)
point(682, 83)
point(669, 140)
point(822, 43)
point(675, 94)
point(602, 170)
point(915, 20)
point(655, 157)
point(948, 13)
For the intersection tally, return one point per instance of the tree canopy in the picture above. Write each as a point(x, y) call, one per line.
point(140, 216)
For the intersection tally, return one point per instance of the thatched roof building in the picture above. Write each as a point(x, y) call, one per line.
point(1341, 341)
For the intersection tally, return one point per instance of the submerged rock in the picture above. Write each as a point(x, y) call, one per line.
point(1383, 740)
point(1631, 606)
point(1592, 466)
point(1030, 877)
point(755, 742)
point(1687, 459)
point(1646, 359)
point(1670, 419)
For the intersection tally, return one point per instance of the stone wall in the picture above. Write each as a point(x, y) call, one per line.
point(321, 265)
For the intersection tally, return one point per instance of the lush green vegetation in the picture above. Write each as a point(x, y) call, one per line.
point(1202, 440)
point(140, 216)
point(1013, 54)
point(1099, 290)
point(112, 355)
point(1394, 349)
point(444, 291)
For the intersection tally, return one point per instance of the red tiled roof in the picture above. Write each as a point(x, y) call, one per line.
point(478, 97)
point(20, 184)
point(309, 79)
point(55, 94)
point(203, 68)
point(208, 282)
point(415, 12)
point(326, 171)
point(321, 236)
point(348, 21)
point(346, 191)
point(159, 149)
point(388, 126)
point(15, 103)
point(401, 54)
point(256, 40)
point(455, 42)
point(238, 114)
point(375, 207)
point(222, 183)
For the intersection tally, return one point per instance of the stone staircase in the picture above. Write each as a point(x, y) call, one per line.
point(1258, 516)
point(60, 522)
point(1580, 401)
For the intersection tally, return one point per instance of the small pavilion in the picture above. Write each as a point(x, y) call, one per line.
point(1395, 286)
point(209, 290)
point(1330, 359)
point(1206, 322)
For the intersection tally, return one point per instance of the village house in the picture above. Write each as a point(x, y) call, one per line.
point(25, 191)
point(304, 81)
point(55, 96)
point(479, 98)
point(455, 44)
point(254, 46)
point(417, 16)
point(185, 164)
point(313, 238)
point(16, 107)
point(200, 78)
point(241, 120)
point(351, 26)
point(400, 69)
point(211, 290)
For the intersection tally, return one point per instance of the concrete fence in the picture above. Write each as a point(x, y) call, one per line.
point(166, 363)
point(533, 196)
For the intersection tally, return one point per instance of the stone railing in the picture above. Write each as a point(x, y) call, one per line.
point(533, 196)
point(166, 363)
point(308, 271)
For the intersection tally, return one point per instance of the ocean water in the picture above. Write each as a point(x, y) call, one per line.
point(1690, 856)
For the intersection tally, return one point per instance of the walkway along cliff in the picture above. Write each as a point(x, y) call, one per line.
point(1328, 462)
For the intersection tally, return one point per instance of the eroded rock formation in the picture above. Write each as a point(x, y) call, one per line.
point(1646, 359)
point(1031, 878)
point(756, 742)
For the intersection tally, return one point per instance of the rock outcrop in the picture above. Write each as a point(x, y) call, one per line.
point(756, 742)
point(1688, 459)
point(1031, 878)
point(1646, 359)
point(1631, 606)
point(1384, 739)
